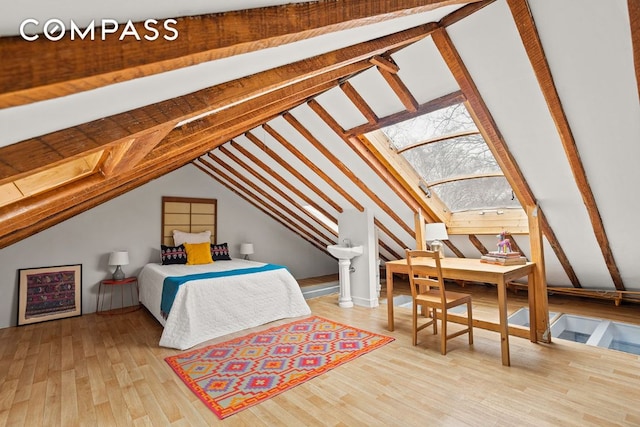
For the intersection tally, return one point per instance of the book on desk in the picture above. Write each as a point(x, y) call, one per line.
point(503, 258)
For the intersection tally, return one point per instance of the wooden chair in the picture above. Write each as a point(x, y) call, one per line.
point(428, 290)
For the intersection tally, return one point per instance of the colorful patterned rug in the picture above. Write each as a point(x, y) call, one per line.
point(236, 374)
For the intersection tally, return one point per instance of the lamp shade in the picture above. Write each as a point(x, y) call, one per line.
point(119, 258)
point(435, 231)
point(246, 248)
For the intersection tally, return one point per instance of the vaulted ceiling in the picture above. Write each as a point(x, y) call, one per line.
point(282, 104)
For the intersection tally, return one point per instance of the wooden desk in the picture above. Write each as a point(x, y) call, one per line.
point(473, 270)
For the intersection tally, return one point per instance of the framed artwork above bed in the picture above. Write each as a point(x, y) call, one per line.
point(188, 214)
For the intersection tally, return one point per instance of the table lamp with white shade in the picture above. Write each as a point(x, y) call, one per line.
point(436, 232)
point(119, 258)
point(246, 249)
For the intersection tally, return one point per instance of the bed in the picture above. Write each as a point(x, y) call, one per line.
point(247, 294)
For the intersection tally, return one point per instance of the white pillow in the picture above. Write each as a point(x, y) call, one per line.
point(180, 237)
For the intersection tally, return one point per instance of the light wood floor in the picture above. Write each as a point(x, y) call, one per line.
point(109, 371)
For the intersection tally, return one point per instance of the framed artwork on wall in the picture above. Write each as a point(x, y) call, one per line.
point(49, 293)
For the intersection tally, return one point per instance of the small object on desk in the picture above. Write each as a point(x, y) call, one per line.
point(111, 284)
point(502, 260)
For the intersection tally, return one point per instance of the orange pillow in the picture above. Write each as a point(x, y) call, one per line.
point(198, 253)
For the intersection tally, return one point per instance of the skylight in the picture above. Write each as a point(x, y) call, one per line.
point(446, 149)
point(321, 217)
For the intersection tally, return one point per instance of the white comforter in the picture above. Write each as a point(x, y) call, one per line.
point(209, 308)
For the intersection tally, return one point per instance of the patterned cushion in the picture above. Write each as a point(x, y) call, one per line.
point(173, 255)
point(220, 252)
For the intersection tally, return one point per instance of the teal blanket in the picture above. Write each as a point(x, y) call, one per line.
point(171, 285)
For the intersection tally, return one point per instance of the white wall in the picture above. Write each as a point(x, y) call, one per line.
point(132, 222)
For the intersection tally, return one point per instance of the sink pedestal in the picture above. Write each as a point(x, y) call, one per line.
point(345, 300)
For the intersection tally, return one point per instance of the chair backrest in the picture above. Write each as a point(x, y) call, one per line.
point(425, 271)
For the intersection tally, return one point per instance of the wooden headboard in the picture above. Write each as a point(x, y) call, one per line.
point(188, 214)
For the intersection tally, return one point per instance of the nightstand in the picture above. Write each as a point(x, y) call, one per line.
point(112, 285)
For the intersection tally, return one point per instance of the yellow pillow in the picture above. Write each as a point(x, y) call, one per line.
point(198, 253)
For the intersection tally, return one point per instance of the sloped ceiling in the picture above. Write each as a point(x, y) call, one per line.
point(282, 116)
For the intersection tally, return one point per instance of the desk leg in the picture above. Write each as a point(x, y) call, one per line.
point(531, 290)
point(389, 284)
point(504, 325)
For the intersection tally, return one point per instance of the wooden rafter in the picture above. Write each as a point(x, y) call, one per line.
point(343, 168)
point(359, 102)
point(400, 89)
point(634, 21)
point(281, 180)
point(242, 192)
point(293, 171)
point(486, 124)
point(463, 12)
point(128, 154)
point(385, 63)
point(378, 161)
point(535, 51)
point(89, 64)
point(252, 171)
point(258, 193)
point(478, 244)
point(312, 166)
point(124, 126)
point(428, 107)
point(26, 217)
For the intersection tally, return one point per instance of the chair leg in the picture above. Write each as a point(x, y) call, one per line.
point(435, 320)
point(415, 323)
point(443, 338)
point(470, 320)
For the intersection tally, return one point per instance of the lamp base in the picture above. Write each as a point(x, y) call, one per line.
point(436, 246)
point(118, 274)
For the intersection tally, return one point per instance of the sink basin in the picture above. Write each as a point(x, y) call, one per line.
point(344, 252)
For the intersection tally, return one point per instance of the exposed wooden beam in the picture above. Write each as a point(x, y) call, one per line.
point(128, 154)
point(535, 51)
point(359, 102)
point(432, 207)
point(281, 180)
point(24, 218)
point(385, 63)
point(276, 189)
point(538, 299)
point(242, 192)
point(258, 193)
point(634, 21)
point(478, 244)
point(367, 155)
point(463, 12)
point(548, 232)
point(483, 118)
point(400, 89)
point(95, 135)
point(250, 170)
point(312, 166)
point(89, 64)
point(392, 236)
point(436, 104)
point(293, 171)
point(342, 167)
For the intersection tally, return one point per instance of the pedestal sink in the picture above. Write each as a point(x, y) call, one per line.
point(344, 255)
